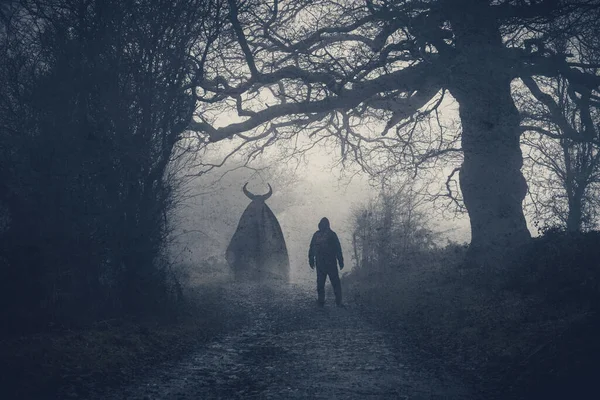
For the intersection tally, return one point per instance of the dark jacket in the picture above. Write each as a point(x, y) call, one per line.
point(325, 248)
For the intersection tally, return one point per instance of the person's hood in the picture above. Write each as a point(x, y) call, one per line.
point(324, 224)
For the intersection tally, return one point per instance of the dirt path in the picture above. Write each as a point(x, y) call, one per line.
point(295, 350)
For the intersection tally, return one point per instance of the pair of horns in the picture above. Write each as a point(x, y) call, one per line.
point(253, 197)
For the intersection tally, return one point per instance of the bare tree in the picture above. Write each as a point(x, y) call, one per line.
point(391, 229)
point(335, 68)
point(563, 157)
point(563, 138)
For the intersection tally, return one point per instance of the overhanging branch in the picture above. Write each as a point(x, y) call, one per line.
point(409, 79)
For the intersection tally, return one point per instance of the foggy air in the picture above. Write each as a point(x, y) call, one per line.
point(299, 199)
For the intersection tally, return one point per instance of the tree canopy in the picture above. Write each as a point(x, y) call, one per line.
point(337, 67)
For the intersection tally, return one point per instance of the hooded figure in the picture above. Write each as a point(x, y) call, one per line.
point(257, 249)
point(325, 253)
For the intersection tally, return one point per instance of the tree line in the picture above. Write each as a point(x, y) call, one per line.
point(95, 98)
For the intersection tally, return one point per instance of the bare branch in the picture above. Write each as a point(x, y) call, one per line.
point(405, 79)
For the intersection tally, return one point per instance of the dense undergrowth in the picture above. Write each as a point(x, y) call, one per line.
point(529, 332)
point(74, 363)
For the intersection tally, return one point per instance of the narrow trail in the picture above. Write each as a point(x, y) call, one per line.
point(295, 350)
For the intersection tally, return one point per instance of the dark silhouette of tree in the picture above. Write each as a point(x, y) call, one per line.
point(328, 67)
point(563, 162)
point(95, 97)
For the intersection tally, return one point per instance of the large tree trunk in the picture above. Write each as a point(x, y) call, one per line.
point(492, 185)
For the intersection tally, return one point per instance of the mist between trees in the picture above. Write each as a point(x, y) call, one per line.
point(105, 103)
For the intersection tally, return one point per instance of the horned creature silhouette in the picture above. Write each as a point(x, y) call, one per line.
point(257, 250)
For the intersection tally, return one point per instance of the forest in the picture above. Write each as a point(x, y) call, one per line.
point(111, 111)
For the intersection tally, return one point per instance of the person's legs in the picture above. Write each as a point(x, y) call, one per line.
point(334, 278)
point(321, 277)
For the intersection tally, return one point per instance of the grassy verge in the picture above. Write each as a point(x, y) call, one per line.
point(527, 333)
point(73, 363)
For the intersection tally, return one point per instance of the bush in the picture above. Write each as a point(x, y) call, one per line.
point(94, 101)
point(532, 329)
